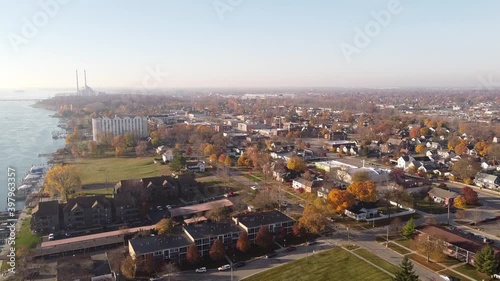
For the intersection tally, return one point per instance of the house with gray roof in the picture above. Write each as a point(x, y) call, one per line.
point(45, 217)
point(440, 195)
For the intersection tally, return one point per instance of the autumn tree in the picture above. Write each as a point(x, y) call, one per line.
point(415, 132)
point(431, 246)
point(212, 159)
point(453, 142)
point(461, 148)
point(313, 219)
point(420, 148)
point(192, 254)
point(128, 267)
point(119, 144)
point(222, 158)
point(406, 271)
point(217, 212)
point(141, 148)
point(340, 200)
point(243, 244)
point(129, 139)
point(64, 180)
point(459, 202)
point(486, 261)
point(209, 149)
point(481, 148)
point(360, 176)
point(296, 163)
point(228, 162)
point(164, 226)
point(264, 239)
point(493, 151)
point(470, 195)
point(466, 168)
point(217, 251)
point(243, 160)
point(363, 191)
point(298, 230)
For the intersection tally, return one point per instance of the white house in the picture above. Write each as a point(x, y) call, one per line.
point(405, 161)
point(167, 155)
point(196, 166)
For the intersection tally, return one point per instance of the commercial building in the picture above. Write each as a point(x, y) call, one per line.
point(136, 125)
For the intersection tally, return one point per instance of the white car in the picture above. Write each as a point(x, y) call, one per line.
point(253, 187)
point(496, 276)
point(224, 267)
point(51, 236)
point(201, 270)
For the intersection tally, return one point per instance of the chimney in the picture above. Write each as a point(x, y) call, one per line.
point(77, 86)
point(85, 75)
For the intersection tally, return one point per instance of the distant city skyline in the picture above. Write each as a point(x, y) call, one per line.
point(249, 44)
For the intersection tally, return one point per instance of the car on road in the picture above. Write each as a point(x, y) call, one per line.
point(449, 278)
point(168, 207)
point(224, 267)
point(271, 255)
point(302, 205)
point(290, 249)
point(159, 208)
point(284, 203)
point(312, 243)
point(157, 278)
point(330, 219)
point(201, 270)
point(253, 187)
point(239, 264)
point(51, 237)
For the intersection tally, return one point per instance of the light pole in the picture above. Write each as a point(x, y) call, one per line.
point(387, 244)
point(348, 241)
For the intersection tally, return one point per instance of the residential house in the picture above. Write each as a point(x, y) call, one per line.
point(87, 212)
point(440, 195)
point(45, 217)
point(362, 211)
point(168, 155)
point(275, 221)
point(336, 136)
point(196, 166)
point(487, 181)
point(378, 176)
point(161, 246)
point(307, 185)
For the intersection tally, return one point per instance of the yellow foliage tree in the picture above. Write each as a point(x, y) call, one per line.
point(481, 148)
point(420, 148)
point(363, 191)
point(313, 219)
point(209, 149)
point(459, 202)
point(63, 180)
point(340, 200)
point(164, 226)
point(296, 163)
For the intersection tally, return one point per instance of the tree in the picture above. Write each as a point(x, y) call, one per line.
point(129, 139)
point(459, 202)
point(141, 148)
point(363, 191)
point(264, 238)
point(415, 132)
point(127, 267)
point(243, 160)
point(409, 228)
point(470, 195)
point(360, 176)
point(461, 148)
point(466, 167)
point(217, 251)
point(313, 219)
point(192, 254)
point(243, 244)
point(212, 159)
point(298, 230)
point(431, 246)
point(420, 148)
point(164, 226)
point(493, 151)
point(340, 200)
point(209, 149)
point(178, 162)
point(406, 271)
point(481, 148)
point(169, 269)
point(222, 158)
point(228, 162)
point(296, 164)
point(218, 212)
point(486, 261)
point(63, 180)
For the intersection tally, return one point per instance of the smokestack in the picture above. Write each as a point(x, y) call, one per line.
point(85, 74)
point(77, 86)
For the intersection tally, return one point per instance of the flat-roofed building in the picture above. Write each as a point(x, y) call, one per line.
point(275, 220)
point(137, 125)
point(204, 235)
point(164, 246)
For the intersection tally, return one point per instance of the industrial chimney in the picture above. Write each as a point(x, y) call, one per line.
point(85, 74)
point(77, 86)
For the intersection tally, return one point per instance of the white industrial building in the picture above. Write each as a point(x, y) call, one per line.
point(137, 125)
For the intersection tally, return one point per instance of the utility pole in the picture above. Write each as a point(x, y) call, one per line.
point(348, 241)
point(449, 203)
point(387, 244)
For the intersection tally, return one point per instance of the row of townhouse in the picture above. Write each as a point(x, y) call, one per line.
point(204, 234)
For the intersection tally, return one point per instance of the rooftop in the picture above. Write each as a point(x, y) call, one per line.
point(198, 208)
point(263, 218)
point(150, 244)
point(205, 230)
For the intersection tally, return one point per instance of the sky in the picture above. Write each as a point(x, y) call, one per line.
point(249, 43)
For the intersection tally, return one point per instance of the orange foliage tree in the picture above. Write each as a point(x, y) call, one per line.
point(340, 200)
point(363, 191)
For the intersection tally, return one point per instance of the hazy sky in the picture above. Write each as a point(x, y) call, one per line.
point(249, 43)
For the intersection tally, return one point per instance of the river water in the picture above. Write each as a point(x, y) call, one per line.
point(26, 132)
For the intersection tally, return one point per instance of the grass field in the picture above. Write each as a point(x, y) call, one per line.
point(25, 240)
point(423, 261)
point(398, 249)
point(470, 271)
point(109, 170)
point(376, 260)
point(336, 265)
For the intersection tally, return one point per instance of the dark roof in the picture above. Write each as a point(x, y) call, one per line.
point(252, 220)
point(87, 202)
point(150, 244)
point(356, 208)
point(46, 208)
point(101, 267)
point(452, 238)
point(205, 230)
point(161, 181)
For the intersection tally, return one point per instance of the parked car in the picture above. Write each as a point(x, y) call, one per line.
point(271, 255)
point(290, 249)
point(311, 243)
point(496, 276)
point(488, 241)
point(159, 208)
point(239, 264)
point(168, 207)
point(157, 278)
point(284, 203)
point(449, 278)
point(51, 237)
point(330, 219)
point(253, 187)
point(224, 267)
point(201, 270)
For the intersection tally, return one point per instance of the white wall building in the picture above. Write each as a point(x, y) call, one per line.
point(137, 125)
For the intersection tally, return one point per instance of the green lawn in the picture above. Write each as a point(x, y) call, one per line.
point(398, 249)
point(108, 192)
point(423, 261)
point(251, 177)
point(26, 240)
point(112, 169)
point(336, 265)
point(471, 271)
point(376, 260)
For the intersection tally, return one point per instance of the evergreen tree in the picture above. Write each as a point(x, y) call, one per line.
point(486, 261)
point(406, 272)
point(409, 228)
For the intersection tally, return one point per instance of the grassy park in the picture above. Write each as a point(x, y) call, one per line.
point(336, 264)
